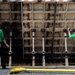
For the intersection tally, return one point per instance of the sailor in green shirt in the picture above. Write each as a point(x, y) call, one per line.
point(72, 36)
point(1, 36)
point(2, 39)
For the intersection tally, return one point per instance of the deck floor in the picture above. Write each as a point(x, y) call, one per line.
point(6, 72)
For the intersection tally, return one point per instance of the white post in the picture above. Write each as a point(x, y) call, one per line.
point(66, 61)
point(10, 51)
point(33, 41)
point(43, 44)
point(43, 60)
point(43, 47)
point(66, 57)
point(65, 44)
point(33, 47)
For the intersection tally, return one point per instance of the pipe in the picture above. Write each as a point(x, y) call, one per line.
point(65, 44)
point(43, 46)
point(33, 44)
point(66, 61)
point(66, 57)
point(43, 60)
point(33, 50)
point(33, 34)
point(33, 57)
point(43, 50)
point(10, 51)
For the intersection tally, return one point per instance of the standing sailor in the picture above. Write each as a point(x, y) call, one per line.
point(2, 39)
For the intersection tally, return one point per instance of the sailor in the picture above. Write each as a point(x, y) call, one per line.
point(72, 36)
point(2, 39)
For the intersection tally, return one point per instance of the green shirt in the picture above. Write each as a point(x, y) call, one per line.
point(1, 36)
point(72, 36)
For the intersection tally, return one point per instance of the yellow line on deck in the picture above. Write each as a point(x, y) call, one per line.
point(21, 69)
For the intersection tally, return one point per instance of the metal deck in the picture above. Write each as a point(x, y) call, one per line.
point(6, 72)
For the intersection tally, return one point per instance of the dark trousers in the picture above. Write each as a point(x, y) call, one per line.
point(2, 56)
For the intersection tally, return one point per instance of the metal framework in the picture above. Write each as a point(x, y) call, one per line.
point(38, 32)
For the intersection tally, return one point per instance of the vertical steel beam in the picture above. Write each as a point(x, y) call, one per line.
point(22, 28)
point(55, 7)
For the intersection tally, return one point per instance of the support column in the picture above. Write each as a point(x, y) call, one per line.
point(43, 46)
point(10, 51)
point(33, 47)
point(66, 51)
